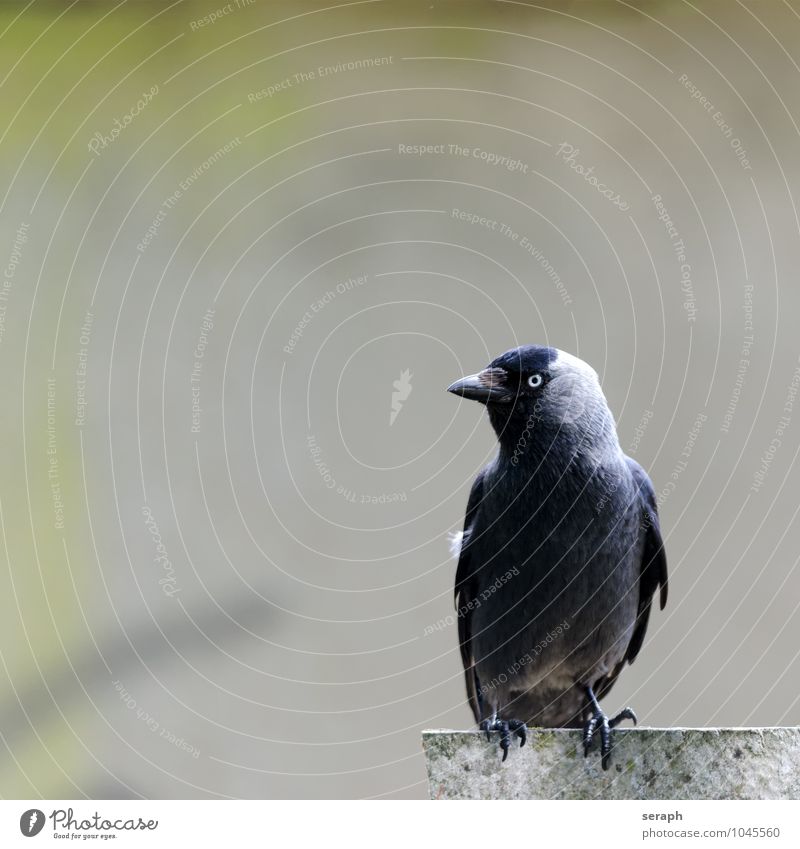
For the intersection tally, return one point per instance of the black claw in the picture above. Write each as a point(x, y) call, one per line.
point(519, 729)
point(505, 740)
point(624, 714)
point(605, 743)
point(601, 721)
point(506, 728)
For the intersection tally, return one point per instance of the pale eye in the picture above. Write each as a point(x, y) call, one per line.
point(535, 381)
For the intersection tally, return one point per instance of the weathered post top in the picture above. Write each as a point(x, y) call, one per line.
point(647, 763)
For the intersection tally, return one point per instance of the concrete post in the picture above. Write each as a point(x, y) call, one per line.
point(647, 763)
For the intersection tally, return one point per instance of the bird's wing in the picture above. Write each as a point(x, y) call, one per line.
point(465, 593)
point(653, 574)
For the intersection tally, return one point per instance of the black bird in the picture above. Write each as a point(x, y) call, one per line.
point(561, 552)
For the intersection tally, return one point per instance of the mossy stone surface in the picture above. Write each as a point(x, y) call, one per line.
point(647, 763)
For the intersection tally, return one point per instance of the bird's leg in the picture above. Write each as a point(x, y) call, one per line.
point(506, 727)
point(599, 720)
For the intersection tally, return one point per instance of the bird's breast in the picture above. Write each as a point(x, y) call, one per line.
point(545, 556)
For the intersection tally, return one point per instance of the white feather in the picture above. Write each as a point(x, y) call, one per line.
point(456, 540)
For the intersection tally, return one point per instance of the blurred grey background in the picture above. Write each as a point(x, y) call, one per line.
point(246, 246)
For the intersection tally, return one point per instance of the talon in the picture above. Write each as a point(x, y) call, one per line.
point(520, 730)
point(624, 714)
point(599, 720)
point(505, 728)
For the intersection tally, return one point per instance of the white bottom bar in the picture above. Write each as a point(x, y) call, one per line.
point(616, 825)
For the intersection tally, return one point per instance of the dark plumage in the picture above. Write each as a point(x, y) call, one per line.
point(561, 551)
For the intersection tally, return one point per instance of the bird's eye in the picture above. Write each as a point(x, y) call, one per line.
point(535, 381)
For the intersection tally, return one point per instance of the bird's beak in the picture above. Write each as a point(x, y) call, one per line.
point(487, 387)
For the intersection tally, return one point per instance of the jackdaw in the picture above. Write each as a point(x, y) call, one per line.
point(561, 552)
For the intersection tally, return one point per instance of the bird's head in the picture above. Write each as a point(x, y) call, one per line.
point(540, 390)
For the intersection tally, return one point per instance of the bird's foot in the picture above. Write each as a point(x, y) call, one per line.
point(605, 725)
point(506, 727)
